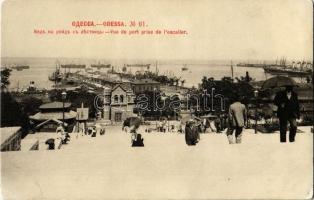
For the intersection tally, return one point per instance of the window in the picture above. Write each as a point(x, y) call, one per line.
point(116, 99)
point(118, 117)
point(121, 98)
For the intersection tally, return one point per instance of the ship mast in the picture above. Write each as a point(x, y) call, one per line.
point(55, 73)
point(231, 70)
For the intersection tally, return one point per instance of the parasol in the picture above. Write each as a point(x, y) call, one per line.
point(278, 81)
point(189, 118)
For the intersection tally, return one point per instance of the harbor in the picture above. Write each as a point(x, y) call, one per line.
point(130, 80)
point(293, 68)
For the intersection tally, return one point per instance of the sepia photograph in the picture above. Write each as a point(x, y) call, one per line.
point(147, 99)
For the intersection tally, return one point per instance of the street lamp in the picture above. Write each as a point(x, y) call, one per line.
point(64, 96)
point(256, 96)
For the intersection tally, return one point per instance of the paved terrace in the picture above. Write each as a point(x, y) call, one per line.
point(106, 167)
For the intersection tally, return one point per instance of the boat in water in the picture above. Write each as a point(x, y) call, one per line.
point(295, 69)
point(73, 66)
point(89, 70)
point(56, 76)
point(20, 67)
point(100, 66)
point(287, 71)
point(250, 65)
point(184, 68)
point(139, 65)
point(32, 89)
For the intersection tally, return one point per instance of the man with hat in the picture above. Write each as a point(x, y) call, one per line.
point(288, 111)
point(191, 133)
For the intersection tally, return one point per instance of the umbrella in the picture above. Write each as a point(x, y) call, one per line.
point(50, 141)
point(189, 118)
point(278, 81)
point(132, 121)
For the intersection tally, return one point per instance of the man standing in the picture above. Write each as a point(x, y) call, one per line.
point(61, 133)
point(288, 111)
point(191, 133)
point(237, 119)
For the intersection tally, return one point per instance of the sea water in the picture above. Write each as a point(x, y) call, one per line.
point(41, 68)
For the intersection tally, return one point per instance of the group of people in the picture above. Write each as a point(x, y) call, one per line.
point(63, 135)
point(94, 130)
point(162, 126)
point(287, 111)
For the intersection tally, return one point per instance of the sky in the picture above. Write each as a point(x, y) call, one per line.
point(217, 29)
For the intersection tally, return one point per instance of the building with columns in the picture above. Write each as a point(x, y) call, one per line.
point(118, 103)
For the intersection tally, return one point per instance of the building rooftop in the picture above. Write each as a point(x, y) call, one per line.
point(45, 122)
point(7, 132)
point(124, 86)
point(53, 115)
point(55, 105)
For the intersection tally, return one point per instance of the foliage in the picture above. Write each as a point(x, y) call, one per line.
point(226, 87)
point(156, 106)
point(30, 105)
point(5, 75)
point(12, 113)
point(77, 97)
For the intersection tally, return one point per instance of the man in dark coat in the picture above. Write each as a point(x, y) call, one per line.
point(288, 111)
point(191, 133)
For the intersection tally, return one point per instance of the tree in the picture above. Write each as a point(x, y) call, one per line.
point(5, 75)
point(182, 83)
point(204, 82)
point(225, 87)
point(171, 81)
point(30, 105)
point(176, 82)
point(156, 106)
point(12, 113)
point(77, 97)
